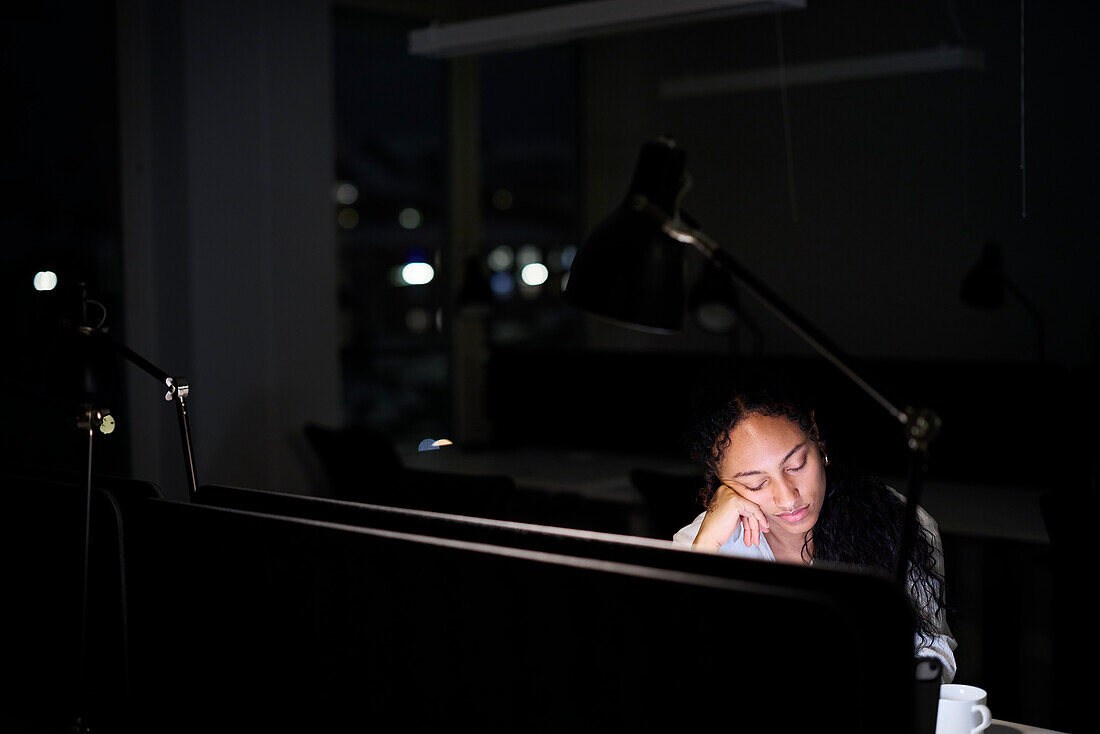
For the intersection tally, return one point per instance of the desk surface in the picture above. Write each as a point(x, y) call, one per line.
point(594, 474)
point(960, 508)
point(1007, 727)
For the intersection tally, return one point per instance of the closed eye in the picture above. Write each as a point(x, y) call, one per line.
point(797, 468)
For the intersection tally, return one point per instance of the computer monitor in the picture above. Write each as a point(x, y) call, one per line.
point(62, 664)
point(530, 536)
point(272, 618)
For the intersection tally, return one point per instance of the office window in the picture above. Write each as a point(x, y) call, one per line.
point(390, 204)
point(531, 193)
point(389, 210)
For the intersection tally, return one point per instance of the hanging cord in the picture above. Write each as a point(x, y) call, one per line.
point(1023, 137)
point(791, 197)
point(953, 15)
point(80, 724)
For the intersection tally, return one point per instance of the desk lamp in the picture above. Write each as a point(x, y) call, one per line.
point(984, 288)
point(177, 389)
point(630, 271)
point(715, 308)
point(97, 418)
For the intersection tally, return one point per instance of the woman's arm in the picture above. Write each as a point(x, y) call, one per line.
point(943, 644)
point(713, 528)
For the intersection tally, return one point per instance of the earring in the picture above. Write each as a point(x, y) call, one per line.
point(826, 459)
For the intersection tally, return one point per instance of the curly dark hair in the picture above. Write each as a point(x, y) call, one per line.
point(861, 518)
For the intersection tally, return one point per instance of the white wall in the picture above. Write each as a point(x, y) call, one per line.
point(229, 242)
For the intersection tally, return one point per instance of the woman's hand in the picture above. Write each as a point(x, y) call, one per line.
point(727, 509)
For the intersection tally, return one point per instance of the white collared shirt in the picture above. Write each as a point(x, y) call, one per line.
point(942, 646)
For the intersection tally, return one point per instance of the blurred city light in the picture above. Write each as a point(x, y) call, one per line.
point(502, 284)
point(417, 273)
point(534, 274)
point(348, 218)
point(345, 193)
point(418, 320)
point(45, 281)
point(410, 218)
point(501, 258)
point(528, 254)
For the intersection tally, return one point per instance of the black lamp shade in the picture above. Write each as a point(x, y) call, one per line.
point(712, 302)
point(984, 286)
point(629, 270)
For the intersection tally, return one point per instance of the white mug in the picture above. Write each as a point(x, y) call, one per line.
point(962, 710)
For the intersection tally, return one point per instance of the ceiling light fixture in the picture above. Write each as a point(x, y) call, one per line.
point(922, 61)
point(572, 21)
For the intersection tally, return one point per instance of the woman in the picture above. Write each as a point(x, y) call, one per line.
point(769, 496)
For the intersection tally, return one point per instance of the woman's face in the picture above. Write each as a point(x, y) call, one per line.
point(772, 462)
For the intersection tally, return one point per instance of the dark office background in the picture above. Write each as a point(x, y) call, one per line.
point(239, 187)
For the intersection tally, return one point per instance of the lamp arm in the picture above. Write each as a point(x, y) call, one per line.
point(792, 319)
point(178, 391)
point(921, 425)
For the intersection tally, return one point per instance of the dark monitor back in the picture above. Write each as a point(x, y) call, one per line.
point(569, 540)
point(276, 621)
point(529, 536)
point(42, 535)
